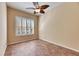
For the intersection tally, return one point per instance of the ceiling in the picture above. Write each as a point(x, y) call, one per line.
point(23, 5)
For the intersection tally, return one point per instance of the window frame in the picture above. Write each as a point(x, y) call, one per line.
point(31, 28)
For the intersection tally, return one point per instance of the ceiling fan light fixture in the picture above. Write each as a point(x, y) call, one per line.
point(37, 10)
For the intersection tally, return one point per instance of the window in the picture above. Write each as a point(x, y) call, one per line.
point(24, 26)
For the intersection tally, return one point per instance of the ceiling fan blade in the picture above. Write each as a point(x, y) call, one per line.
point(31, 8)
point(42, 11)
point(36, 4)
point(44, 6)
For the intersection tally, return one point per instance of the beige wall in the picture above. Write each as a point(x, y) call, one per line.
point(12, 38)
point(3, 28)
point(61, 26)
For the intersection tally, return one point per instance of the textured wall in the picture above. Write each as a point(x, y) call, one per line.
point(61, 26)
point(3, 28)
point(12, 38)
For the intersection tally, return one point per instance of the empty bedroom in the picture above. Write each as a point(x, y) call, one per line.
point(39, 29)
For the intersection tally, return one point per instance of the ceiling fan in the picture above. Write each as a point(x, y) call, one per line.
point(38, 8)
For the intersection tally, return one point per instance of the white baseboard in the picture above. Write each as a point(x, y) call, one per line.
point(62, 45)
point(2, 50)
